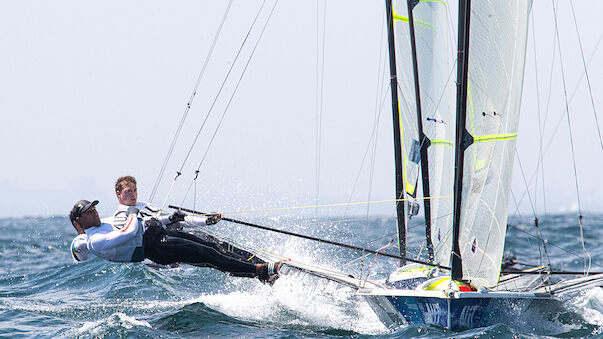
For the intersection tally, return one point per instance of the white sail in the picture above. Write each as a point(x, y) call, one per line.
point(497, 47)
point(406, 99)
point(434, 69)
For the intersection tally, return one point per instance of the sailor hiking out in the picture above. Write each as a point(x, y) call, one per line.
point(135, 233)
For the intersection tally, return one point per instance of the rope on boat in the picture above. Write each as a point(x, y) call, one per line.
point(368, 250)
point(357, 248)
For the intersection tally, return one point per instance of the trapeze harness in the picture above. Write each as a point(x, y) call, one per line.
point(147, 211)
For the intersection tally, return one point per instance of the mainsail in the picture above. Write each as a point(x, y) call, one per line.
point(406, 92)
point(494, 78)
point(434, 69)
point(425, 115)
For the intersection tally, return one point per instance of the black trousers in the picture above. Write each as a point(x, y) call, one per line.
point(170, 246)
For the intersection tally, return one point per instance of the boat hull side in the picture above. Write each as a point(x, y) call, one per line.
point(460, 313)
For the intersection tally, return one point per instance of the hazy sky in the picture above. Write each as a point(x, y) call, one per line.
point(93, 90)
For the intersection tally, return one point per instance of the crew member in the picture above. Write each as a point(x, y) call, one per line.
point(132, 243)
point(127, 195)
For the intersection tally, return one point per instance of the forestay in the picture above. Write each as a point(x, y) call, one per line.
point(497, 47)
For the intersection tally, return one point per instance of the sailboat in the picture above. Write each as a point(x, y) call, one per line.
point(464, 161)
point(462, 158)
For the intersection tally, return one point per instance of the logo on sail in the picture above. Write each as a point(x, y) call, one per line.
point(474, 245)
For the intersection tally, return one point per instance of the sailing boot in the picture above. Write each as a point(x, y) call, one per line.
point(268, 272)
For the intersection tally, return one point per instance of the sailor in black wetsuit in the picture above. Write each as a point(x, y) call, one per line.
point(157, 244)
point(127, 194)
point(173, 224)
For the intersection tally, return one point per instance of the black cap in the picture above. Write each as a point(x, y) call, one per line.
point(80, 207)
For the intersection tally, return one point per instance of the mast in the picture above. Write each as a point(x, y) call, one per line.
point(463, 138)
point(423, 140)
point(397, 137)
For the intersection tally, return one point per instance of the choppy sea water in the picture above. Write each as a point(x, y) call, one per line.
point(44, 294)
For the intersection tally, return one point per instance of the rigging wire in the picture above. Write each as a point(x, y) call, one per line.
point(518, 213)
point(561, 116)
point(378, 252)
point(372, 139)
point(451, 29)
point(381, 73)
point(540, 125)
point(381, 86)
point(525, 183)
point(552, 244)
point(234, 92)
point(586, 267)
point(223, 84)
point(189, 104)
point(363, 256)
point(179, 172)
point(307, 237)
point(542, 246)
point(590, 91)
point(448, 81)
point(372, 163)
point(536, 222)
point(550, 82)
point(540, 238)
point(332, 205)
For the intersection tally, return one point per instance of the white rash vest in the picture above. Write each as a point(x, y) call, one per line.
point(109, 243)
point(79, 248)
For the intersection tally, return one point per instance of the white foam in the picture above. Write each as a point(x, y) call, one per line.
point(114, 320)
point(589, 304)
point(298, 300)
